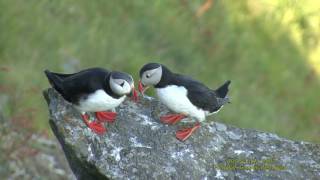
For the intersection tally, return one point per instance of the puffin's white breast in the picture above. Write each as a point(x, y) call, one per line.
point(99, 101)
point(175, 98)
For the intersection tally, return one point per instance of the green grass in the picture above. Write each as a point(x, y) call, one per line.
point(274, 88)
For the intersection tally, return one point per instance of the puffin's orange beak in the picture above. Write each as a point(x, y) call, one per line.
point(142, 88)
point(134, 96)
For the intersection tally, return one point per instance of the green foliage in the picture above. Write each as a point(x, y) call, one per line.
point(273, 86)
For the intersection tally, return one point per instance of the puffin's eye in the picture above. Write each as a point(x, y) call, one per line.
point(148, 75)
point(122, 84)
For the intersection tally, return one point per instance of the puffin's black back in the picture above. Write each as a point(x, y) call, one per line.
point(79, 85)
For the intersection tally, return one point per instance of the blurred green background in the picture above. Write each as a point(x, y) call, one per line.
point(268, 48)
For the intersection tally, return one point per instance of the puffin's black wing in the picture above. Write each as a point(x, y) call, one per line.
point(200, 95)
point(203, 98)
point(78, 85)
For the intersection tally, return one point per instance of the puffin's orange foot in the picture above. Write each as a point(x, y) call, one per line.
point(172, 118)
point(106, 116)
point(96, 127)
point(184, 134)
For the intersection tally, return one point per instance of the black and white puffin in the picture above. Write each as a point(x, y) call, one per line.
point(94, 90)
point(182, 95)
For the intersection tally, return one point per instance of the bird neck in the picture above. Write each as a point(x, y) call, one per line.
point(166, 78)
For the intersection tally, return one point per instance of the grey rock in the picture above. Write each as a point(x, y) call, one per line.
point(27, 155)
point(138, 146)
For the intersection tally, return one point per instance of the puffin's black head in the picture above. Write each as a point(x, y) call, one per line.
point(122, 84)
point(150, 75)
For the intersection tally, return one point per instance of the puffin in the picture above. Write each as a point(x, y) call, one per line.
point(183, 95)
point(94, 90)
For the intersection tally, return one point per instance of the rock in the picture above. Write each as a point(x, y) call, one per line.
point(138, 146)
point(27, 155)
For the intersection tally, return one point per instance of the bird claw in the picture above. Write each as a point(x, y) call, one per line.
point(184, 134)
point(106, 116)
point(172, 118)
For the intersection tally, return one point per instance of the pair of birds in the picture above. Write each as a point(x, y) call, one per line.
point(100, 91)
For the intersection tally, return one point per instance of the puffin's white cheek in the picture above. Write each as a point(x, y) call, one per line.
point(148, 81)
point(127, 88)
point(119, 89)
point(153, 80)
point(143, 80)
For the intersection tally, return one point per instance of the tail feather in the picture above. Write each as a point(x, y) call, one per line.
point(54, 80)
point(223, 90)
point(223, 101)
